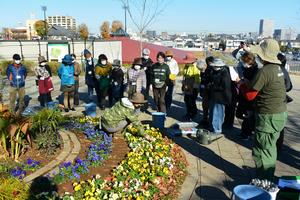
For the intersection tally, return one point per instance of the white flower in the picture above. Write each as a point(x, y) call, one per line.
point(98, 176)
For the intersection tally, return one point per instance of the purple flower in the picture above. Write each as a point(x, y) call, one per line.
point(18, 173)
point(67, 164)
point(29, 161)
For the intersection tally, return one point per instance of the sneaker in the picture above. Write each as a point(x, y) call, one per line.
point(73, 109)
point(66, 110)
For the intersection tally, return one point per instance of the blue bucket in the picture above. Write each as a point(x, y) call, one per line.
point(52, 105)
point(250, 192)
point(90, 109)
point(158, 119)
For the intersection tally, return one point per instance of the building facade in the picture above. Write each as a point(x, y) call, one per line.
point(285, 34)
point(66, 22)
point(266, 28)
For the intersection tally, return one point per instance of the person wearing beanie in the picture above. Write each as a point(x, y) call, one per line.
point(44, 82)
point(174, 70)
point(88, 64)
point(102, 73)
point(77, 72)
point(136, 78)
point(117, 82)
point(16, 74)
point(66, 74)
point(146, 65)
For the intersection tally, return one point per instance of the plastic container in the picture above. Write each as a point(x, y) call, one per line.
point(250, 192)
point(90, 109)
point(52, 105)
point(158, 119)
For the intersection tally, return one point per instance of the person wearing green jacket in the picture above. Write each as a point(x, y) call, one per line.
point(122, 113)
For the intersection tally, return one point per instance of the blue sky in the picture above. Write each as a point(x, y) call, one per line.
point(226, 16)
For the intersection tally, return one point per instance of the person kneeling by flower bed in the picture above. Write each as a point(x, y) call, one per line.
point(122, 113)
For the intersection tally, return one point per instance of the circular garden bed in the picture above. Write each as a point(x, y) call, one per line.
point(139, 163)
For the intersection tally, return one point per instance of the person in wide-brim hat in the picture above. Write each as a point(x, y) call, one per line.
point(267, 51)
point(138, 98)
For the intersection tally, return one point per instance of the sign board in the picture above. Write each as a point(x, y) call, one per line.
point(57, 51)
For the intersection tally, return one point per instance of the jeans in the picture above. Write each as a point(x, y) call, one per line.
point(13, 96)
point(169, 95)
point(90, 92)
point(217, 113)
point(159, 98)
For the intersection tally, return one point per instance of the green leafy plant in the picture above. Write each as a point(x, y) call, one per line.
point(12, 188)
point(45, 126)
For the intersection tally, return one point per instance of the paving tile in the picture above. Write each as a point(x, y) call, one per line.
point(230, 154)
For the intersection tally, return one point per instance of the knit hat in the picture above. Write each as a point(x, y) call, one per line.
point(137, 61)
point(86, 52)
point(16, 57)
point(146, 52)
point(102, 57)
point(169, 53)
point(67, 59)
point(267, 50)
point(116, 62)
point(41, 59)
point(217, 63)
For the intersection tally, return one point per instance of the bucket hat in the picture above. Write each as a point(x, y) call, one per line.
point(267, 50)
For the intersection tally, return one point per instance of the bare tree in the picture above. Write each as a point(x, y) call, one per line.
point(143, 13)
point(105, 30)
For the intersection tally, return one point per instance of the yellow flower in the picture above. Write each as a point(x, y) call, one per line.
point(77, 187)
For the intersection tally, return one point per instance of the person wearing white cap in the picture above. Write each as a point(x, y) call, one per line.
point(268, 90)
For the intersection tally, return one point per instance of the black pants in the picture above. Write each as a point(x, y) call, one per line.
point(103, 93)
point(44, 99)
point(159, 98)
point(248, 124)
point(190, 103)
point(76, 93)
point(280, 140)
point(205, 106)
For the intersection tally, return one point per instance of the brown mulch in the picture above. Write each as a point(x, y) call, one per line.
point(119, 151)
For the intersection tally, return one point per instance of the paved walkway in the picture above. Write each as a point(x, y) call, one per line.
point(216, 168)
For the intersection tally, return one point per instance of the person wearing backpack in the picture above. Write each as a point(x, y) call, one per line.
point(160, 73)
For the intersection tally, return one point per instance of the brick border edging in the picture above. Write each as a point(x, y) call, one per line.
point(67, 153)
point(192, 178)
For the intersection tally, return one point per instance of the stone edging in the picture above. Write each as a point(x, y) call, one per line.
point(68, 154)
point(192, 178)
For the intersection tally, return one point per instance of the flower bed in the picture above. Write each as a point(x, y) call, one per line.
point(153, 169)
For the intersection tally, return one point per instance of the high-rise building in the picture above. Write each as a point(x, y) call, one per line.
point(285, 34)
point(266, 28)
point(67, 22)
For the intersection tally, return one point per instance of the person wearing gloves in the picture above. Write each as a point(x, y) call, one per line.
point(136, 78)
point(160, 73)
point(77, 72)
point(268, 90)
point(44, 82)
point(116, 84)
point(174, 70)
point(146, 65)
point(122, 113)
point(190, 86)
point(16, 74)
point(88, 64)
point(102, 73)
point(66, 74)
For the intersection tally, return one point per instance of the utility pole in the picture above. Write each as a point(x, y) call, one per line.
point(125, 7)
point(44, 9)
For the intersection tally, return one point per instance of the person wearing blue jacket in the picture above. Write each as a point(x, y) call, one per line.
point(66, 74)
point(16, 74)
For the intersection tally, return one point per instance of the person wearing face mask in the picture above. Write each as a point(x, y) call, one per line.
point(66, 73)
point(146, 65)
point(174, 70)
point(245, 109)
point(43, 75)
point(122, 113)
point(16, 74)
point(88, 64)
point(160, 73)
point(77, 72)
point(116, 84)
point(136, 78)
point(102, 73)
